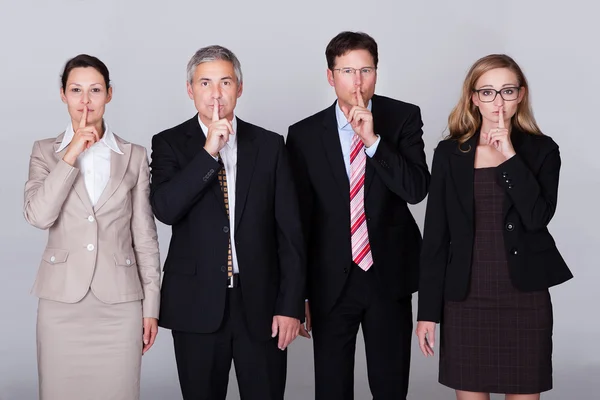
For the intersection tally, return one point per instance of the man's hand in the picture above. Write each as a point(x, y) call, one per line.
point(361, 120)
point(218, 132)
point(307, 326)
point(287, 328)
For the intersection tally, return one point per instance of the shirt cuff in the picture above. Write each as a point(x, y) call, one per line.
point(373, 148)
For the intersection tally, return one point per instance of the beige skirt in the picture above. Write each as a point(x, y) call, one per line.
point(89, 350)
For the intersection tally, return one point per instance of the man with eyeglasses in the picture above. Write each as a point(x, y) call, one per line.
point(357, 164)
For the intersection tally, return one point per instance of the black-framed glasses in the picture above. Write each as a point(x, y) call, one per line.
point(487, 95)
point(348, 71)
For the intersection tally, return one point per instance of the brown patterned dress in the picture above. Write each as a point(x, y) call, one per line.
point(498, 340)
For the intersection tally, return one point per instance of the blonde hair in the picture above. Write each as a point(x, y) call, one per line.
point(465, 119)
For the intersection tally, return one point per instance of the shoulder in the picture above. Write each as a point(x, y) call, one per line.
point(262, 135)
point(394, 105)
point(309, 122)
point(446, 147)
point(47, 143)
point(176, 131)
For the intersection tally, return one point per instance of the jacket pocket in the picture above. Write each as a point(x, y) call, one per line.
point(55, 256)
point(124, 259)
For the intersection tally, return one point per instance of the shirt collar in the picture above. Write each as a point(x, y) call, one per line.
point(342, 121)
point(108, 139)
point(232, 138)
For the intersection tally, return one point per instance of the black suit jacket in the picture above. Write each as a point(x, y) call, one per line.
point(396, 175)
point(530, 179)
point(185, 193)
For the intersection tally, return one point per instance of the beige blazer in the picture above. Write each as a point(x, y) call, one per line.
point(111, 247)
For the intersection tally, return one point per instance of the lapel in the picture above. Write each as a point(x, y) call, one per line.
point(380, 124)
point(462, 164)
point(118, 168)
point(333, 151)
point(247, 152)
point(195, 140)
point(79, 184)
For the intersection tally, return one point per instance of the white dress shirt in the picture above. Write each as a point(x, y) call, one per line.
point(346, 132)
point(94, 163)
point(229, 156)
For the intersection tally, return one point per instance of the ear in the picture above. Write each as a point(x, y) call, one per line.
point(330, 77)
point(190, 91)
point(63, 97)
point(109, 95)
point(240, 90)
point(522, 92)
point(475, 99)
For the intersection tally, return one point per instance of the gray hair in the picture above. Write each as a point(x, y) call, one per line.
point(213, 53)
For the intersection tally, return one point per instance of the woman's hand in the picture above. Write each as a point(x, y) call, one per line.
point(499, 138)
point(426, 333)
point(150, 332)
point(85, 136)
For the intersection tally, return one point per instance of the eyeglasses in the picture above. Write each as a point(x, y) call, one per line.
point(488, 95)
point(348, 71)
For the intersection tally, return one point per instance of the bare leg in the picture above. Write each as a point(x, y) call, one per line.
point(462, 395)
point(523, 396)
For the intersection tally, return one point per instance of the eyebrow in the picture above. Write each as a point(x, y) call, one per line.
point(505, 85)
point(79, 84)
point(370, 66)
point(223, 78)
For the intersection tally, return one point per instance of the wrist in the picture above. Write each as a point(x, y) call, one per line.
point(370, 140)
point(70, 159)
point(213, 154)
point(510, 154)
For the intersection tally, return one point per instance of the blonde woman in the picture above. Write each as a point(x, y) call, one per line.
point(98, 281)
point(488, 259)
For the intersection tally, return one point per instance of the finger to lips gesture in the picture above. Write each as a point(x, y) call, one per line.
point(84, 137)
point(361, 118)
point(499, 138)
point(218, 131)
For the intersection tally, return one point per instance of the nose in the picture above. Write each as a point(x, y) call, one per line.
point(357, 78)
point(216, 92)
point(498, 101)
point(85, 99)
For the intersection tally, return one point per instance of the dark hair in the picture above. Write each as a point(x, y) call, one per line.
point(84, 61)
point(348, 41)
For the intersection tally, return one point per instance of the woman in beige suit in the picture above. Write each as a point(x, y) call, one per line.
point(98, 281)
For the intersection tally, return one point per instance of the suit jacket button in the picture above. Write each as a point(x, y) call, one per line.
point(510, 226)
point(514, 251)
point(345, 270)
point(510, 186)
point(504, 174)
point(223, 269)
point(225, 229)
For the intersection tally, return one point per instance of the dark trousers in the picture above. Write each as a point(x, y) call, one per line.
point(204, 359)
point(387, 329)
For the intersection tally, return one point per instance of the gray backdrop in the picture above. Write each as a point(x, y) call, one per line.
point(426, 48)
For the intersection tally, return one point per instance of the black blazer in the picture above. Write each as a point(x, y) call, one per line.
point(185, 193)
point(395, 176)
point(530, 180)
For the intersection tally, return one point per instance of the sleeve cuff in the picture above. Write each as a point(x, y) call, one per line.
point(373, 148)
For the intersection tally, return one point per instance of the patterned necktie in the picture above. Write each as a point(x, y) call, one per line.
point(223, 182)
point(361, 249)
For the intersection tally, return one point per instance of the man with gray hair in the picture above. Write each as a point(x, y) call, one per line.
point(234, 275)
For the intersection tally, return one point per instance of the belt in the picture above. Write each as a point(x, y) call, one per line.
point(233, 281)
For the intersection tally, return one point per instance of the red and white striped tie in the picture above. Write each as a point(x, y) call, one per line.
point(361, 249)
